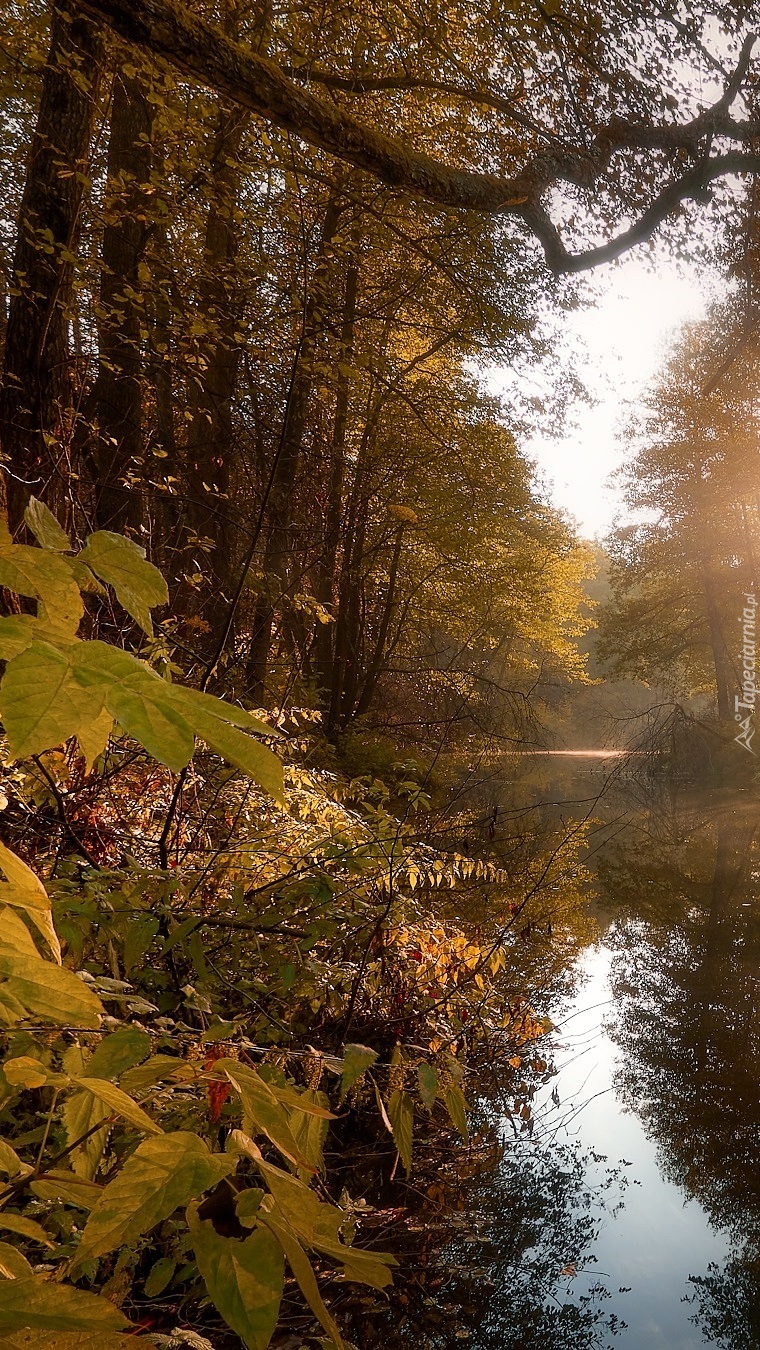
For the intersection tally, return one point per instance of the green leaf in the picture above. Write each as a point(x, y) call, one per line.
point(45, 527)
point(13, 1266)
point(244, 1279)
point(26, 1072)
point(401, 1114)
point(140, 934)
point(41, 1304)
point(122, 564)
point(94, 737)
point(159, 1276)
point(310, 1131)
point(356, 1060)
point(41, 702)
point(157, 1069)
point(25, 891)
point(428, 1084)
point(41, 988)
point(116, 1100)
point(81, 1111)
point(307, 1281)
point(263, 1113)
point(66, 1186)
point(10, 1163)
point(47, 577)
point(234, 745)
point(318, 1225)
point(161, 1175)
point(194, 700)
point(118, 1052)
point(17, 632)
point(138, 698)
point(18, 1223)
point(457, 1109)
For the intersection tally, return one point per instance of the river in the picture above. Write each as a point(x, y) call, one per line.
point(631, 1216)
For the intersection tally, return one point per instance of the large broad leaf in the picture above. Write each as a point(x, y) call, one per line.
point(120, 1102)
point(138, 698)
point(81, 1112)
point(40, 988)
point(307, 1281)
point(161, 1175)
point(193, 700)
point(244, 1279)
point(94, 736)
point(120, 562)
point(45, 527)
point(10, 1163)
point(48, 577)
point(318, 1225)
point(63, 1185)
point(356, 1060)
point(401, 1114)
point(17, 632)
point(234, 745)
point(28, 1228)
point(158, 1069)
point(310, 1131)
point(41, 701)
point(263, 1113)
point(25, 891)
point(39, 1304)
point(119, 1051)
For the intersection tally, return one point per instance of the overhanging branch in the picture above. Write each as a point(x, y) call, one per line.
point(166, 29)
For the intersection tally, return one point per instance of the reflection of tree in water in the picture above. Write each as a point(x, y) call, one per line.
point(728, 1303)
point(686, 977)
point(510, 1287)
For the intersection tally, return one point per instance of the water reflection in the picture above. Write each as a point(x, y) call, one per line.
point(658, 1082)
point(685, 976)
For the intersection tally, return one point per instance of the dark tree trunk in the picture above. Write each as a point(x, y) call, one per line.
point(36, 391)
point(115, 406)
point(279, 538)
point(725, 677)
point(210, 448)
point(328, 565)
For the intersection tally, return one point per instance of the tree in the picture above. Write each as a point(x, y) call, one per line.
point(680, 572)
point(606, 128)
point(35, 395)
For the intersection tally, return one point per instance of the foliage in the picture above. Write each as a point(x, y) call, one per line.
point(158, 1149)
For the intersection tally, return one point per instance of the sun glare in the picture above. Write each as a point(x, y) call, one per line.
point(618, 346)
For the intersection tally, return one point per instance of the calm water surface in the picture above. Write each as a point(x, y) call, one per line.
point(632, 1218)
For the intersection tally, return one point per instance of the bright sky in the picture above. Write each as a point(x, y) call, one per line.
point(621, 343)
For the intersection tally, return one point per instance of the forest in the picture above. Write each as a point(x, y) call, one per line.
point(284, 594)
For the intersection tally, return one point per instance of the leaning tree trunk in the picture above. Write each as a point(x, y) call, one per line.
point(36, 390)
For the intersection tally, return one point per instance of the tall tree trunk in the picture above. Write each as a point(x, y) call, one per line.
point(279, 542)
point(328, 563)
point(115, 404)
point(376, 661)
point(210, 439)
point(725, 677)
point(36, 390)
